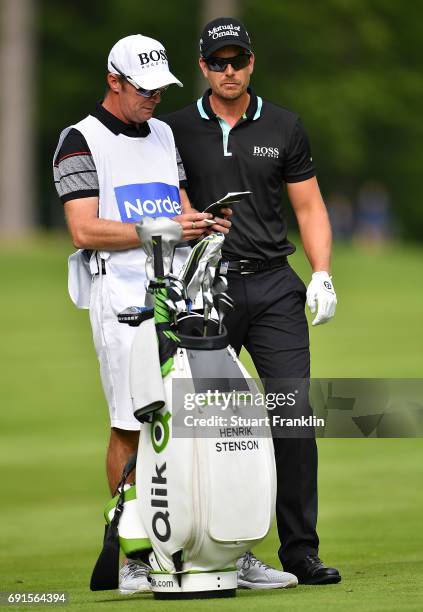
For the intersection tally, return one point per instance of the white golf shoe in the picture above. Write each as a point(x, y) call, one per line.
point(254, 574)
point(133, 578)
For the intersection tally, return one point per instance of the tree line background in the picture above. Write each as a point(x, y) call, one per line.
point(351, 69)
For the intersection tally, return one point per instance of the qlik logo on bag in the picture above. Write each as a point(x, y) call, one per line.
point(141, 200)
point(159, 433)
point(160, 522)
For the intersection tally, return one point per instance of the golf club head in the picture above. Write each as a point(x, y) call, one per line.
point(208, 300)
point(171, 234)
point(224, 299)
point(176, 300)
point(224, 304)
point(216, 302)
point(205, 253)
point(220, 284)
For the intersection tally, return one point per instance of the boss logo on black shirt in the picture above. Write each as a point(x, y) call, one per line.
point(265, 151)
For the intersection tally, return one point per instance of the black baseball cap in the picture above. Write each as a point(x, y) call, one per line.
point(223, 32)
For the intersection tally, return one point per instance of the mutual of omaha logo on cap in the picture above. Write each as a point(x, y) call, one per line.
point(223, 32)
point(144, 60)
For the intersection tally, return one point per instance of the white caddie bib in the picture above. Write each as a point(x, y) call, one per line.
point(138, 178)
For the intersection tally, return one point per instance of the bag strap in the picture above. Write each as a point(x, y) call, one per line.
point(105, 574)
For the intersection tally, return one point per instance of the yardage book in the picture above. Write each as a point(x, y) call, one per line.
point(228, 200)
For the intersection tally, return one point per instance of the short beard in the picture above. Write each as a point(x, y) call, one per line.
point(230, 96)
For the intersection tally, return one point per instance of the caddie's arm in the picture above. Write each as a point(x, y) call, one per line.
point(90, 232)
point(316, 236)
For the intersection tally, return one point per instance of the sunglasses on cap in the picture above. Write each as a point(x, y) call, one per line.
point(219, 64)
point(145, 93)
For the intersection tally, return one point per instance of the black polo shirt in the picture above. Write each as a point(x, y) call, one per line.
point(265, 149)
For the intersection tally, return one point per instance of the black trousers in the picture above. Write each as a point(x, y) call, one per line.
point(269, 321)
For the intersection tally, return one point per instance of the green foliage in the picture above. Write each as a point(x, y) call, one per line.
point(353, 70)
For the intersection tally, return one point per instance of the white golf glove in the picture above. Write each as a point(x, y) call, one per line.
point(321, 295)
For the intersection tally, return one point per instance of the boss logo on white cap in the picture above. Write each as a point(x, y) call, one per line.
point(155, 56)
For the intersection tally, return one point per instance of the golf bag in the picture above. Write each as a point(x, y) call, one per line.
point(205, 487)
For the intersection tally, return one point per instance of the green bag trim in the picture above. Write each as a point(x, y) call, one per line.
point(129, 546)
point(167, 367)
point(130, 494)
point(171, 335)
point(161, 311)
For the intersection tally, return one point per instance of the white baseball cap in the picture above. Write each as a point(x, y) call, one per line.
point(142, 59)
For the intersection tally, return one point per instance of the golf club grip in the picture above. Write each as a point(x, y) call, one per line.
point(158, 256)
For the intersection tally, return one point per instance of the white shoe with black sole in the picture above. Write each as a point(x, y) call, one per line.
point(134, 578)
point(254, 574)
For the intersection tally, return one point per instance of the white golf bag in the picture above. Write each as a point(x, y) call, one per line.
point(205, 486)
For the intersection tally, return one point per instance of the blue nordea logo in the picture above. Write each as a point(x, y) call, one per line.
point(141, 200)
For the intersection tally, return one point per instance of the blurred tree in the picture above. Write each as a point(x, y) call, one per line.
point(353, 70)
point(17, 58)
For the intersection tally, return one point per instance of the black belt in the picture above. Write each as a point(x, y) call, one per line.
point(243, 266)
point(248, 266)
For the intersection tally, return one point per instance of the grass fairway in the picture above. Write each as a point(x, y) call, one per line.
point(54, 427)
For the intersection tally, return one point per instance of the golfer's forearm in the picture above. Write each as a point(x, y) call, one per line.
point(316, 236)
point(102, 234)
point(313, 221)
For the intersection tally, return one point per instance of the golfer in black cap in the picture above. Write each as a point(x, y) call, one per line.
point(233, 140)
